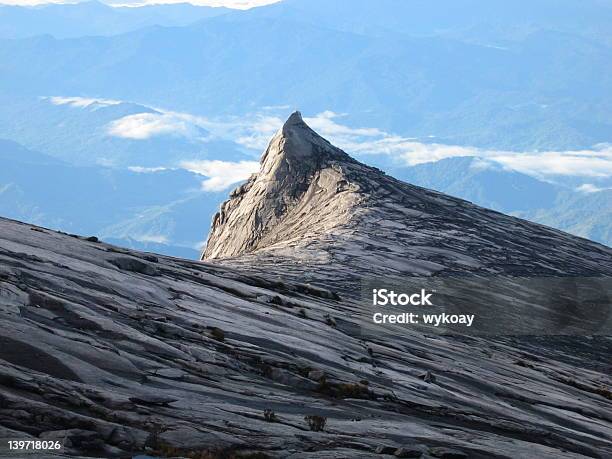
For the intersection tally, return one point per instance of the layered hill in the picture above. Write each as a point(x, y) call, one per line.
point(257, 351)
point(439, 67)
point(94, 18)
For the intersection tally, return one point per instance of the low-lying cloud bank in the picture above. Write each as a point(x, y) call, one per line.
point(595, 162)
point(590, 188)
point(254, 131)
point(221, 174)
point(82, 102)
point(141, 126)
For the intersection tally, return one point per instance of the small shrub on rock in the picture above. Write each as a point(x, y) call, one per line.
point(270, 416)
point(218, 334)
point(316, 423)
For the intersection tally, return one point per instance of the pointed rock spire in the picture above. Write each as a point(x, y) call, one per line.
point(296, 159)
point(294, 119)
point(296, 141)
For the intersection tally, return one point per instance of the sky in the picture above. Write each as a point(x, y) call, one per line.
point(239, 4)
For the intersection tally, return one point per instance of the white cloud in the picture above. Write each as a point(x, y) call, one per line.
point(324, 122)
point(5, 188)
point(237, 4)
point(199, 245)
point(374, 141)
point(221, 174)
point(590, 188)
point(106, 162)
point(409, 151)
point(31, 2)
point(276, 107)
point(596, 162)
point(586, 163)
point(159, 121)
point(154, 238)
point(82, 102)
point(255, 130)
point(146, 170)
point(483, 164)
point(142, 126)
point(361, 141)
point(259, 132)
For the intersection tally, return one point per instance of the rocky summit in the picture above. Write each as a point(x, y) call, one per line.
point(256, 351)
point(311, 204)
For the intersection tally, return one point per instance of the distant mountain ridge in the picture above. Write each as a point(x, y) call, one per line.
point(483, 182)
point(434, 71)
point(583, 213)
point(160, 210)
point(94, 18)
point(400, 82)
point(80, 131)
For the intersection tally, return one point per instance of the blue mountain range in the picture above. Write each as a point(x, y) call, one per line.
point(89, 91)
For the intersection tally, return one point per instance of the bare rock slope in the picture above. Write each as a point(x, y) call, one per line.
point(118, 352)
point(312, 203)
point(301, 174)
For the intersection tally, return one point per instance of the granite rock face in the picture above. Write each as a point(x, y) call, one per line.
point(257, 349)
point(312, 204)
point(300, 174)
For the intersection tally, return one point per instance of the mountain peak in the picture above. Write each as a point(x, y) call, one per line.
point(294, 119)
point(296, 141)
point(313, 203)
point(298, 169)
